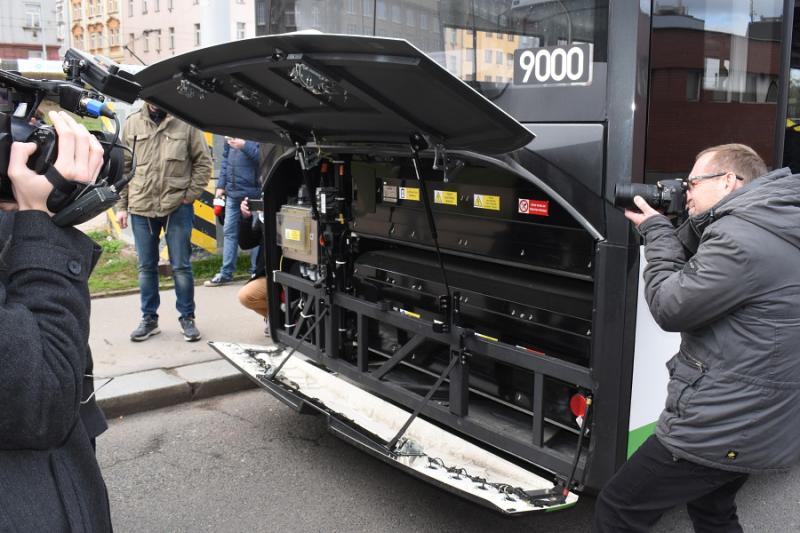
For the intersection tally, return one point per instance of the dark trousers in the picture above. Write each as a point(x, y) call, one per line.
point(653, 481)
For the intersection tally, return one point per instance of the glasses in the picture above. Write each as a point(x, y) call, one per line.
point(691, 181)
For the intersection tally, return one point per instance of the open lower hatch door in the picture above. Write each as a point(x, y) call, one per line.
point(317, 88)
point(428, 451)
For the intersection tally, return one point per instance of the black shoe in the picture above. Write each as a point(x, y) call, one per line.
point(147, 328)
point(190, 332)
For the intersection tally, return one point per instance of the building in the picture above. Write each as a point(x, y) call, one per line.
point(96, 27)
point(29, 29)
point(157, 29)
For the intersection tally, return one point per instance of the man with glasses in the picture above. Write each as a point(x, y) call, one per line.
point(728, 280)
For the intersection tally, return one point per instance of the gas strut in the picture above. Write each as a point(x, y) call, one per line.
point(313, 327)
point(446, 301)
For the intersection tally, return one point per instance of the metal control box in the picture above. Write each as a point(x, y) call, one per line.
point(296, 234)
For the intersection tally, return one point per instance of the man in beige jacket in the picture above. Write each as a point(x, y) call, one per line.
point(173, 168)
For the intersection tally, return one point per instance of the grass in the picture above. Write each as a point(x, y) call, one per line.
point(116, 269)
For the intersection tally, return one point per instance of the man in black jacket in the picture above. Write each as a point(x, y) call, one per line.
point(727, 280)
point(49, 476)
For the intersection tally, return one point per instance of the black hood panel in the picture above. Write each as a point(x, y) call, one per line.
point(329, 89)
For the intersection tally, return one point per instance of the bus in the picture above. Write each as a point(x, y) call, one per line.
point(450, 284)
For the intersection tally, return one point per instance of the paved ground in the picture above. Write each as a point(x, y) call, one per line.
point(245, 462)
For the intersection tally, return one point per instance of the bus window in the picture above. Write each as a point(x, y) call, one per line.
point(791, 141)
point(714, 74)
point(481, 42)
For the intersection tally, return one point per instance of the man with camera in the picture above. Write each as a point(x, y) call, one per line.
point(173, 169)
point(727, 279)
point(49, 476)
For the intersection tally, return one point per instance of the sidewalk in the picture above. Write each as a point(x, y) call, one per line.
point(165, 369)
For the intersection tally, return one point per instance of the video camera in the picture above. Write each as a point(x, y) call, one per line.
point(668, 196)
point(72, 203)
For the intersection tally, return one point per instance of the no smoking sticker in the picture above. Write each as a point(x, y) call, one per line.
point(534, 207)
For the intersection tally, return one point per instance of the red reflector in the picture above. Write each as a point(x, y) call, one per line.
point(578, 404)
point(283, 296)
point(321, 240)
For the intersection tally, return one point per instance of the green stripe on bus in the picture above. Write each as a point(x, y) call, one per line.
point(638, 436)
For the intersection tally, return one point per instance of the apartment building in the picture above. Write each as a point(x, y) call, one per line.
point(29, 29)
point(157, 29)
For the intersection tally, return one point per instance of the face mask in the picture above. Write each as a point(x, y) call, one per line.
point(157, 114)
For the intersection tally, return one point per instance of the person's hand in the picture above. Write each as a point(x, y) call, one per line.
point(187, 201)
point(645, 211)
point(122, 218)
point(219, 193)
point(245, 209)
point(80, 158)
point(235, 142)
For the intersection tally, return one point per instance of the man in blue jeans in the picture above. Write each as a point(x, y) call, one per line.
point(238, 179)
point(173, 169)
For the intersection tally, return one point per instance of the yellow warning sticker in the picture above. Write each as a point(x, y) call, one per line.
point(409, 193)
point(291, 234)
point(445, 197)
point(486, 337)
point(410, 313)
point(485, 201)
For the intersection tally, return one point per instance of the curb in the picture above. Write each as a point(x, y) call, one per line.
point(161, 287)
point(153, 389)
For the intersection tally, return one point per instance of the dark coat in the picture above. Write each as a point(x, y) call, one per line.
point(238, 174)
point(49, 476)
point(251, 234)
point(733, 291)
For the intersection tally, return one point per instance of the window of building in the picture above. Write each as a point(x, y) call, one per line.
point(487, 56)
point(240, 30)
point(171, 37)
point(510, 59)
point(33, 15)
point(261, 13)
point(381, 9)
point(99, 42)
point(131, 40)
point(146, 45)
point(423, 21)
point(158, 42)
point(410, 18)
point(369, 7)
point(113, 6)
point(197, 34)
point(156, 6)
point(170, 5)
point(499, 57)
point(352, 29)
point(397, 14)
point(113, 37)
point(144, 7)
point(130, 8)
point(351, 7)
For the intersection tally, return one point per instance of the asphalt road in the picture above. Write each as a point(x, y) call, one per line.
point(247, 463)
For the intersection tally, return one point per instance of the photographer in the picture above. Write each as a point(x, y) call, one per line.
point(49, 476)
point(727, 279)
point(251, 235)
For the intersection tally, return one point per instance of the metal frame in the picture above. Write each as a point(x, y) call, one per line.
point(462, 342)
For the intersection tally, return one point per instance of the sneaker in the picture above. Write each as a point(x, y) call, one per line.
point(147, 328)
point(216, 281)
point(190, 332)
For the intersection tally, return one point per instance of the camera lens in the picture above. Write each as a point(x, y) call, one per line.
point(624, 194)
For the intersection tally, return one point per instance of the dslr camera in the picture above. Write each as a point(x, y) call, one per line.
point(71, 203)
point(667, 196)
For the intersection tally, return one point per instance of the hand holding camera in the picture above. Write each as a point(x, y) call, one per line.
point(80, 158)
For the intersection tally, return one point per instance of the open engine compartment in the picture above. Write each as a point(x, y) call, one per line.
point(357, 286)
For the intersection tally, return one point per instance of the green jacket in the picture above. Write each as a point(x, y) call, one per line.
point(172, 164)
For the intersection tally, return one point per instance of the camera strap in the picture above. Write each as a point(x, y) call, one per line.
point(63, 191)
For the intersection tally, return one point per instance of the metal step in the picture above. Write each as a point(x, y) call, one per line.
point(426, 450)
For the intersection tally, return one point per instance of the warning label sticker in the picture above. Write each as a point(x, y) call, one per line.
point(291, 234)
point(445, 197)
point(534, 207)
point(485, 201)
point(409, 193)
